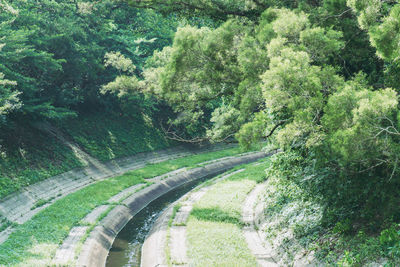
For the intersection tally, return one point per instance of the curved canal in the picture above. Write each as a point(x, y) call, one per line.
point(126, 249)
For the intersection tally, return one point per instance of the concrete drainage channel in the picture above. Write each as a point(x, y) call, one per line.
point(20, 207)
point(96, 248)
point(167, 245)
point(127, 247)
point(159, 242)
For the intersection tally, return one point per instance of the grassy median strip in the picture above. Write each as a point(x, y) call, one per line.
point(214, 226)
point(37, 240)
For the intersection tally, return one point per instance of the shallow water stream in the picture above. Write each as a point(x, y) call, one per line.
point(126, 248)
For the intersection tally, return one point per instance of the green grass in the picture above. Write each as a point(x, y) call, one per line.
point(225, 199)
point(28, 155)
point(36, 240)
point(4, 223)
point(41, 202)
point(214, 226)
point(217, 244)
point(215, 214)
point(174, 211)
point(110, 136)
point(223, 202)
point(90, 228)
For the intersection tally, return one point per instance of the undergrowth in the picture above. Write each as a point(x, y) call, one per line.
point(28, 155)
point(296, 226)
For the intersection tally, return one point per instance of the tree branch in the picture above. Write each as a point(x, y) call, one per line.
point(174, 136)
point(220, 11)
point(280, 123)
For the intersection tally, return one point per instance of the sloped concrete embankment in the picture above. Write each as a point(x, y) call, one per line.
point(19, 207)
point(96, 247)
point(252, 210)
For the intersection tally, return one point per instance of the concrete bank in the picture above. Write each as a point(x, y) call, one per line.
point(157, 244)
point(251, 214)
point(19, 207)
point(96, 247)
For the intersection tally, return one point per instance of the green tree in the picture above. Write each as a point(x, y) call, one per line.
point(285, 76)
point(8, 99)
point(218, 9)
point(54, 52)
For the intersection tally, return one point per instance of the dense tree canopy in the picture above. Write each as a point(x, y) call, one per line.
point(218, 9)
point(53, 52)
point(304, 76)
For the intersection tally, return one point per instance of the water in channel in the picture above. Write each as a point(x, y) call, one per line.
point(126, 248)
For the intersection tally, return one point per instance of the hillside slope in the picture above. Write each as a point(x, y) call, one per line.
point(29, 154)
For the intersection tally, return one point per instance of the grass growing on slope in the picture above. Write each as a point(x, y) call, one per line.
point(37, 239)
point(28, 155)
point(111, 136)
point(214, 226)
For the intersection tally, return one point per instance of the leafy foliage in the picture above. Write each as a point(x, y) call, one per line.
point(319, 79)
point(219, 9)
point(306, 77)
point(381, 20)
point(53, 52)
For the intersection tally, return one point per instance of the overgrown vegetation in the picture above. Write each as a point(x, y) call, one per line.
point(53, 53)
point(296, 228)
point(108, 136)
point(28, 155)
point(52, 67)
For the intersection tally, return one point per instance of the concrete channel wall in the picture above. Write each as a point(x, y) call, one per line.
point(21, 206)
point(96, 247)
